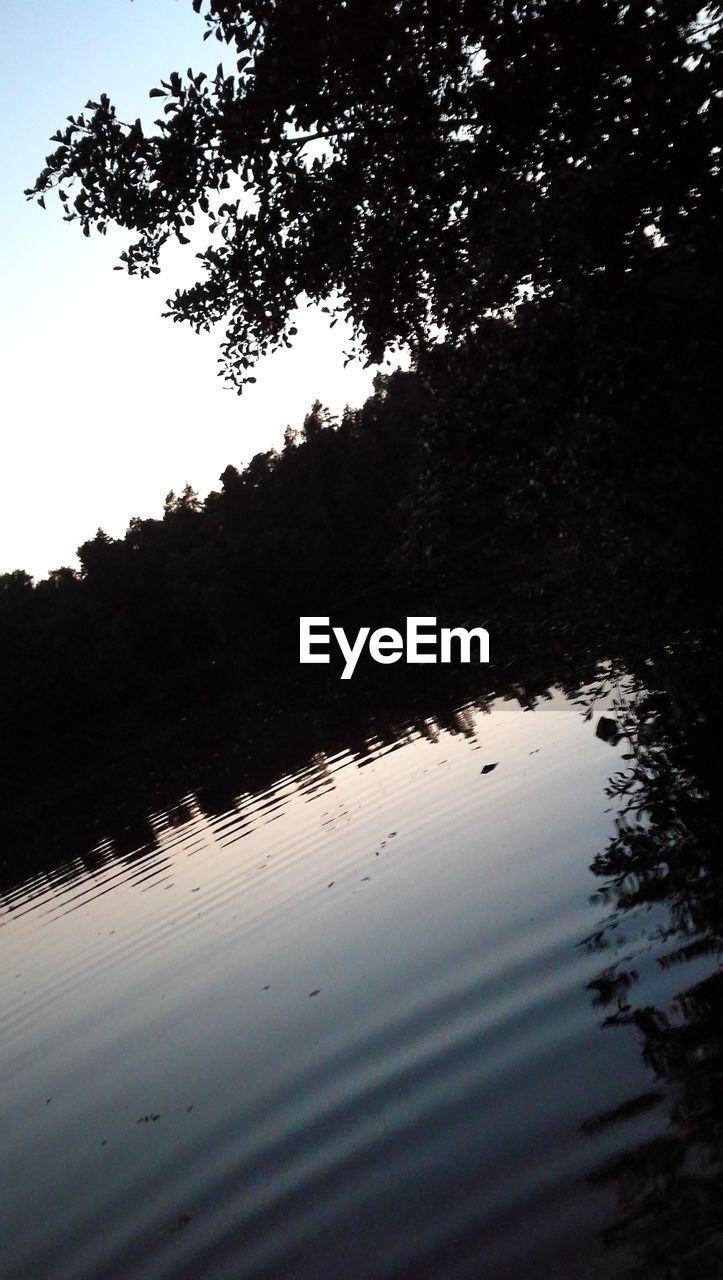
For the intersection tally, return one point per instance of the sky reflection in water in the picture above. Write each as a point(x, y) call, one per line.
point(341, 1029)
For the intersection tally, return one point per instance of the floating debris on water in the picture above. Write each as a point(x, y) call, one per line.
point(182, 1221)
point(608, 730)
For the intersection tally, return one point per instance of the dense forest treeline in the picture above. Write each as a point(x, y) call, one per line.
point(539, 479)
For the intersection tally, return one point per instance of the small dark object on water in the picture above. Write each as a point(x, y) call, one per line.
point(607, 730)
point(487, 768)
point(314, 993)
point(182, 1222)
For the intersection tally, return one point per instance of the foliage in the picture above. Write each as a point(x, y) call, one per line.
point(410, 165)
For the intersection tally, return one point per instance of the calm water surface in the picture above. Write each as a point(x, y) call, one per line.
point(341, 1030)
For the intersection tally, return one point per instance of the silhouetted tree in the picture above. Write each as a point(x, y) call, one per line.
point(409, 164)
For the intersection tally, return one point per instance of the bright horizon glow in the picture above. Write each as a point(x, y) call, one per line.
point(105, 405)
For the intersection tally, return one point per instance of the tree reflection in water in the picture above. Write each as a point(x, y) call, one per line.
point(662, 877)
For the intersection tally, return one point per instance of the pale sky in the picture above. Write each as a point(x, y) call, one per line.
point(104, 405)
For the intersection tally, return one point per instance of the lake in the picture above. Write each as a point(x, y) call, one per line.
point(352, 1026)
